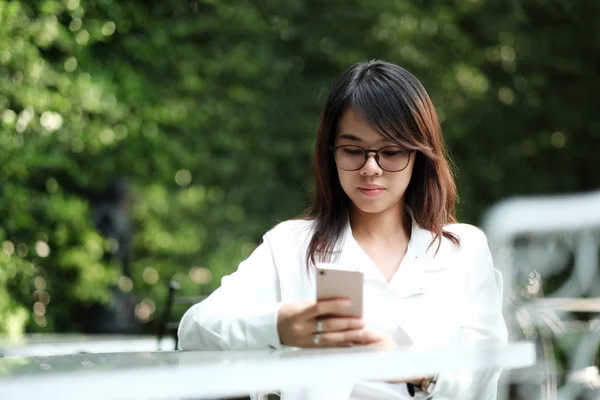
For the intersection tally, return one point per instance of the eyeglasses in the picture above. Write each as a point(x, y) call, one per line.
point(353, 158)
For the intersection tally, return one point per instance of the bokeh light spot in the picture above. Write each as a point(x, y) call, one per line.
point(94, 248)
point(44, 297)
point(125, 284)
point(558, 140)
point(107, 136)
point(408, 22)
point(9, 116)
point(82, 37)
point(143, 311)
point(39, 308)
point(506, 95)
point(507, 53)
point(109, 28)
point(120, 132)
point(111, 245)
point(429, 27)
point(183, 177)
point(8, 247)
point(72, 4)
point(150, 275)
point(164, 239)
point(70, 64)
point(41, 322)
point(75, 25)
point(200, 275)
point(39, 283)
point(24, 119)
point(51, 121)
point(22, 250)
point(42, 249)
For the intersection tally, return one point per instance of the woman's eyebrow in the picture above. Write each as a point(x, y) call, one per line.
point(351, 137)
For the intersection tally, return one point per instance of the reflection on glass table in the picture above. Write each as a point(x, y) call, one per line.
point(63, 344)
point(186, 375)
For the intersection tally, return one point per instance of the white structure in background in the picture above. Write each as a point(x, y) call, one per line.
point(555, 237)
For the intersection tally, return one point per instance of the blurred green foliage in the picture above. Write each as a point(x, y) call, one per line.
point(209, 109)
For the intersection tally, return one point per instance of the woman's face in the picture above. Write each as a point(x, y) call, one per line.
point(371, 189)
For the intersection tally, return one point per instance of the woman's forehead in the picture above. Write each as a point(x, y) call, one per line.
point(353, 128)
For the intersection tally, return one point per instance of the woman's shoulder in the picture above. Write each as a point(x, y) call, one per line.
point(468, 235)
point(290, 229)
point(473, 251)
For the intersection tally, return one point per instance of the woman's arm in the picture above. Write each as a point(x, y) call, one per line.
point(242, 313)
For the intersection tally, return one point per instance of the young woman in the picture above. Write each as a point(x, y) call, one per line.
point(383, 204)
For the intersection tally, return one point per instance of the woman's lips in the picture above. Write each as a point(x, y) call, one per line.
point(371, 191)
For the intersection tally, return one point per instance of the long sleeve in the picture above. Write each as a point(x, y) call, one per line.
point(242, 313)
point(482, 323)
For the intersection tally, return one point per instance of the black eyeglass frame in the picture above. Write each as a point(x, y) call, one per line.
point(366, 152)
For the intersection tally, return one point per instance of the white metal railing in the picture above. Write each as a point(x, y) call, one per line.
point(532, 239)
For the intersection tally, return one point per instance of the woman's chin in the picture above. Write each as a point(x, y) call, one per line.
point(372, 207)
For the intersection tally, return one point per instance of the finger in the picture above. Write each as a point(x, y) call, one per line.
point(339, 324)
point(328, 307)
point(369, 336)
point(414, 380)
point(337, 339)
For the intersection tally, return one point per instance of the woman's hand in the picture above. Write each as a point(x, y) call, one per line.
point(378, 340)
point(381, 340)
point(318, 324)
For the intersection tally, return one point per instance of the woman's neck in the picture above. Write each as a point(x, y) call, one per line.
point(388, 226)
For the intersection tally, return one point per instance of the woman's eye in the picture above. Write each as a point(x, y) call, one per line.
point(353, 152)
point(392, 153)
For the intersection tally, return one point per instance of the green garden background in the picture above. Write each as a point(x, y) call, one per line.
point(193, 121)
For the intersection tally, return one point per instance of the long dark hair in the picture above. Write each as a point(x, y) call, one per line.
point(394, 103)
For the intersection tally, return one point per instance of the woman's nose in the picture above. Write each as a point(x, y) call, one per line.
point(371, 167)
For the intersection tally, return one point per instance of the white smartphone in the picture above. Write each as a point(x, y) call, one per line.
point(333, 282)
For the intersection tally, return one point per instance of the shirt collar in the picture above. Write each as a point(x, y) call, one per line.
point(352, 257)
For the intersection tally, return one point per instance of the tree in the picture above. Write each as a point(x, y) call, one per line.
point(208, 109)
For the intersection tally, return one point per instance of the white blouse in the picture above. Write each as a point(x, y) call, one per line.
point(444, 299)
